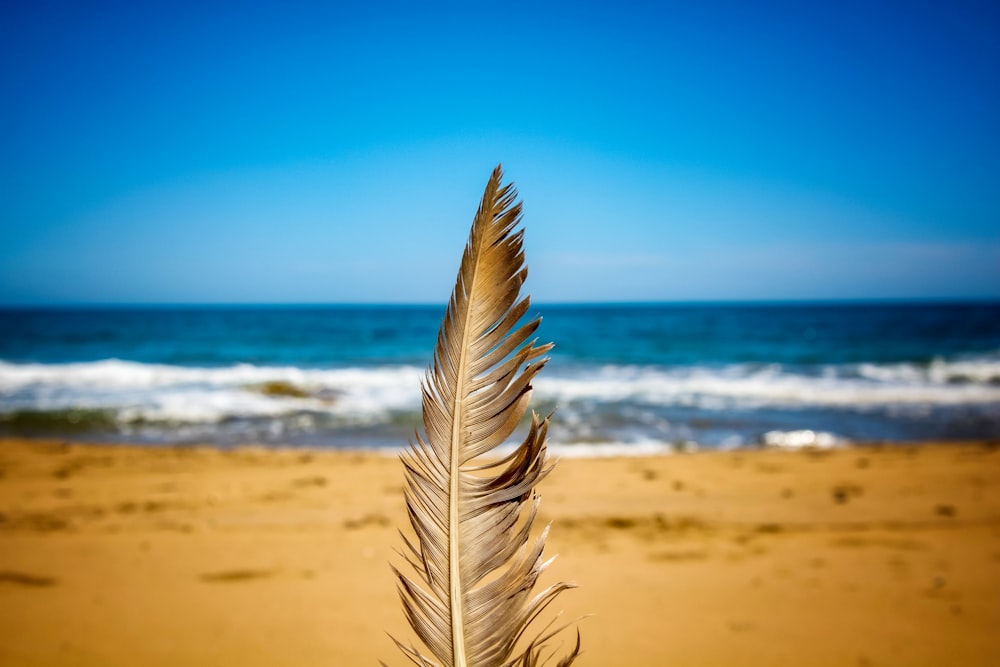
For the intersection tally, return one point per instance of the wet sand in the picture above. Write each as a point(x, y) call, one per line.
point(121, 555)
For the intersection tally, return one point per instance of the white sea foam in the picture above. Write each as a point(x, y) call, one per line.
point(164, 393)
point(745, 386)
point(573, 450)
point(982, 371)
point(802, 439)
point(152, 392)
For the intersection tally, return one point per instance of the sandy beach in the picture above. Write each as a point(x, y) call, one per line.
point(876, 555)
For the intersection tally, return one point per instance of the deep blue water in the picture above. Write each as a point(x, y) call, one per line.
point(628, 375)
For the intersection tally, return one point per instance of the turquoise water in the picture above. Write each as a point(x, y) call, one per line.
point(625, 376)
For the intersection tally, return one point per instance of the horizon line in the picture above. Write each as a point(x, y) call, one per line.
point(557, 304)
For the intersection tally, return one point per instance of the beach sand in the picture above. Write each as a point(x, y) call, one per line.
point(123, 555)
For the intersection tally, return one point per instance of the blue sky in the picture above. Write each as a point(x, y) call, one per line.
point(310, 152)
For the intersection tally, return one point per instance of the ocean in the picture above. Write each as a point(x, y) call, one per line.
point(622, 378)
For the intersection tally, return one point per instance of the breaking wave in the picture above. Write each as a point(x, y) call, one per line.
point(600, 407)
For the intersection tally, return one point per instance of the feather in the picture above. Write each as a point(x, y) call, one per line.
point(471, 600)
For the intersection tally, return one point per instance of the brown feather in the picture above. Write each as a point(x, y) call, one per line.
point(471, 602)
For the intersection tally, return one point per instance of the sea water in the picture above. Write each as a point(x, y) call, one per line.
point(632, 378)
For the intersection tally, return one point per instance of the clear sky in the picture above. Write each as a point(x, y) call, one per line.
point(310, 152)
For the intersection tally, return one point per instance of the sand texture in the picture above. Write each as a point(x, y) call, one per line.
point(123, 556)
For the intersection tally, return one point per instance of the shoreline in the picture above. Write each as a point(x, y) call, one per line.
point(255, 555)
point(790, 441)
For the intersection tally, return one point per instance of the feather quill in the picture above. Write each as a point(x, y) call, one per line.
point(472, 520)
